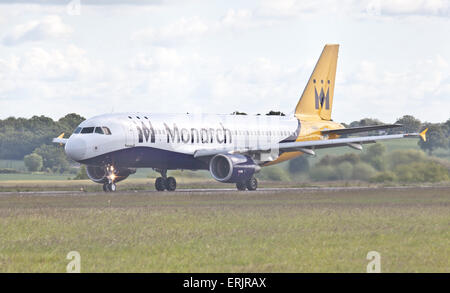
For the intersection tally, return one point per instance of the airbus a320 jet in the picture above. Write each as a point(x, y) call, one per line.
point(232, 147)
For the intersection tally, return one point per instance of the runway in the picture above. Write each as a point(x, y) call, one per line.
point(219, 190)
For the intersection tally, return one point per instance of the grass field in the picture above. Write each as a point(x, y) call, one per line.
point(266, 231)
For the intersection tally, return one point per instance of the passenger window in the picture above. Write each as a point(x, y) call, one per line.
point(98, 130)
point(87, 130)
point(106, 130)
point(77, 130)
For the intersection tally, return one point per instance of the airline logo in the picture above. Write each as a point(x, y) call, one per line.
point(183, 135)
point(322, 98)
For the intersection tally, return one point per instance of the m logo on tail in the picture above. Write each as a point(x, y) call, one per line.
point(322, 97)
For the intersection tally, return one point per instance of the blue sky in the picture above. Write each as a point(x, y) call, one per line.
point(220, 56)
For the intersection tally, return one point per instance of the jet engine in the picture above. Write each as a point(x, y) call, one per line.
point(100, 174)
point(232, 168)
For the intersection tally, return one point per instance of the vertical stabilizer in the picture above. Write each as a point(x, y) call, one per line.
point(317, 98)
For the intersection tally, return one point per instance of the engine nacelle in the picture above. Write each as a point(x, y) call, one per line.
point(232, 168)
point(99, 174)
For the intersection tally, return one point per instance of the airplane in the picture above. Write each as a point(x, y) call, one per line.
point(232, 147)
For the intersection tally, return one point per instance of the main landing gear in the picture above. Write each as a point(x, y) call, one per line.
point(250, 184)
point(165, 183)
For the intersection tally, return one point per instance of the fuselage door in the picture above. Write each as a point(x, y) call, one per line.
point(130, 139)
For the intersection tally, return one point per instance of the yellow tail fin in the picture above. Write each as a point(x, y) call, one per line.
point(316, 101)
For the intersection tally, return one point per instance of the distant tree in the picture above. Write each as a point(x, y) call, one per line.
point(82, 174)
point(69, 122)
point(238, 113)
point(275, 113)
point(410, 124)
point(366, 122)
point(53, 157)
point(299, 165)
point(375, 156)
point(33, 162)
point(447, 131)
point(436, 138)
point(20, 136)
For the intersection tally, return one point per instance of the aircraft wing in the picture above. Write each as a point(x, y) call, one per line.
point(359, 129)
point(310, 145)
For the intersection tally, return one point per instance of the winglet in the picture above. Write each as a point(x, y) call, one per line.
point(422, 134)
point(60, 139)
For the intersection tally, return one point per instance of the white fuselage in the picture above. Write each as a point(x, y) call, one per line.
point(136, 137)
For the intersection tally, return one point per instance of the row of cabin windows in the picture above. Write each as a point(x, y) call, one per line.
point(236, 132)
point(99, 130)
point(243, 132)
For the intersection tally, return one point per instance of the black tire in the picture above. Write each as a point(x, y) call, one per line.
point(160, 184)
point(171, 184)
point(105, 187)
point(241, 186)
point(252, 184)
point(112, 187)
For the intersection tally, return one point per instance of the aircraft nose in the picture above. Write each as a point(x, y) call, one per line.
point(75, 148)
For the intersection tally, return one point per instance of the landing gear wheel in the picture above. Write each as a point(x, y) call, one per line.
point(109, 187)
point(112, 187)
point(241, 186)
point(171, 184)
point(160, 184)
point(252, 183)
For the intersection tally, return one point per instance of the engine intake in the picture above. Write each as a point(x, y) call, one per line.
point(99, 174)
point(232, 168)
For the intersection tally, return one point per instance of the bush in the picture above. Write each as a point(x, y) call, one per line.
point(274, 174)
point(336, 160)
point(381, 177)
point(323, 173)
point(299, 165)
point(33, 162)
point(82, 174)
point(401, 157)
point(345, 171)
point(363, 171)
point(8, 171)
point(375, 156)
point(422, 172)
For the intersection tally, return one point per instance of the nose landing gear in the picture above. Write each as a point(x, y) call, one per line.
point(165, 183)
point(110, 186)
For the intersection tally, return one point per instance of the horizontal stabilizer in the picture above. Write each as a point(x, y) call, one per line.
point(359, 129)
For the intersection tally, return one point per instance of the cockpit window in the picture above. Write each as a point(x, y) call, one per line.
point(87, 130)
point(106, 130)
point(98, 130)
point(77, 130)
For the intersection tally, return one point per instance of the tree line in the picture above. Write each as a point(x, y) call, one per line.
point(30, 139)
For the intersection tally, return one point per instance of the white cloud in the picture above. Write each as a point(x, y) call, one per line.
point(46, 28)
point(179, 31)
point(355, 8)
point(156, 58)
point(423, 87)
point(193, 28)
point(415, 7)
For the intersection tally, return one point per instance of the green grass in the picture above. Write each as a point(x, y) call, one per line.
point(13, 164)
point(305, 231)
